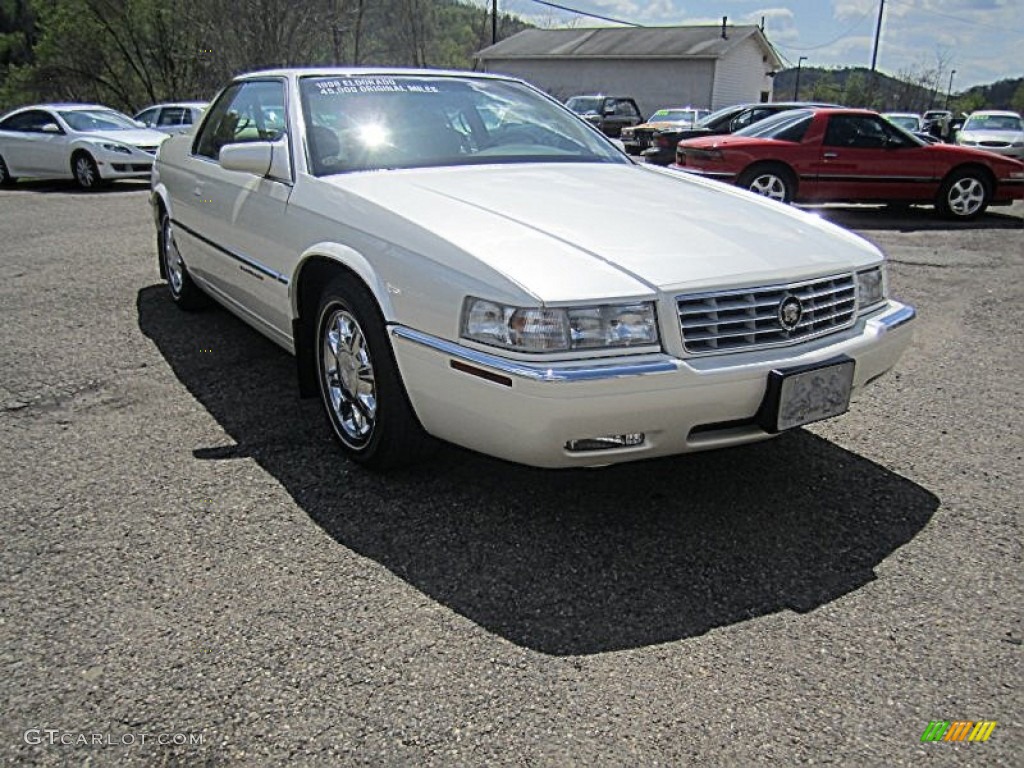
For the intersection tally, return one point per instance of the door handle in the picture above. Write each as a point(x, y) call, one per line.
point(830, 155)
point(198, 191)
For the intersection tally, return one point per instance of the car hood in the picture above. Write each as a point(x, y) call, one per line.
point(579, 231)
point(140, 137)
point(659, 125)
point(1007, 136)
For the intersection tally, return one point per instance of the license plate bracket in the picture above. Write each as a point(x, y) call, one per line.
point(804, 394)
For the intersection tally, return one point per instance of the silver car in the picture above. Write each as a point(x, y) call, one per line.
point(178, 117)
point(87, 142)
point(994, 131)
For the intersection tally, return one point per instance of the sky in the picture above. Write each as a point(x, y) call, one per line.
point(981, 39)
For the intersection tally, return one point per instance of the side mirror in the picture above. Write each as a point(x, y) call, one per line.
point(51, 128)
point(267, 159)
point(251, 157)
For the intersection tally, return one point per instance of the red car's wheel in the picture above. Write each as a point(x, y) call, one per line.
point(773, 181)
point(964, 195)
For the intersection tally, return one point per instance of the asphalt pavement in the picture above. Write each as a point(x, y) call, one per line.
point(193, 575)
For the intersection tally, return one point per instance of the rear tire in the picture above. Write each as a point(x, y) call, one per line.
point(86, 172)
point(6, 180)
point(772, 181)
point(184, 292)
point(361, 389)
point(964, 195)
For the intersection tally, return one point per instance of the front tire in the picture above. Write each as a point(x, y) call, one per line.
point(6, 180)
point(771, 181)
point(360, 386)
point(184, 292)
point(86, 172)
point(964, 195)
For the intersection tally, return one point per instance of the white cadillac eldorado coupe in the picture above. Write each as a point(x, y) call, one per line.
point(458, 255)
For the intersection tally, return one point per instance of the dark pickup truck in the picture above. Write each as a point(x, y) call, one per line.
point(726, 120)
point(609, 113)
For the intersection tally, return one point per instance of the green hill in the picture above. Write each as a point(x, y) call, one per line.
point(851, 86)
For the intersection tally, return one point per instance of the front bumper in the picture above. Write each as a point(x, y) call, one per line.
point(527, 412)
point(119, 165)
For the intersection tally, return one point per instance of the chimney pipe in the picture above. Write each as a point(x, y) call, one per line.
point(725, 20)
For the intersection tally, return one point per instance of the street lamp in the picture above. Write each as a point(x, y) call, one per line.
point(796, 88)
point(950, 89)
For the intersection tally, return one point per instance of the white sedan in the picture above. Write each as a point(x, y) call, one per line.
point(518, 286)
point(85, 142)
point(995, 131)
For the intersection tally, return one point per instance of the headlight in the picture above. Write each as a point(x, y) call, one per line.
point(559, 329)
point(870, 287)
point(110, 147)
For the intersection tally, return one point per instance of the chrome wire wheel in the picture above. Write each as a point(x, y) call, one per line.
point(769, 185)
point(172, 257)
point(966, 196)
point(349, 380)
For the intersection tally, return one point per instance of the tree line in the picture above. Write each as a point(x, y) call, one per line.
point(132, 53)
point(911, 90)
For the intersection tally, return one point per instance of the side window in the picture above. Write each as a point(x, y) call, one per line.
point(172, 116)
point(742, 120)
point(29, 122)
point(625, 109)
point(245, 112)
point(148, 117)
point(856, 131)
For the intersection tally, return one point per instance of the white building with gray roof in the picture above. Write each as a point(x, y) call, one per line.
point(701, 66)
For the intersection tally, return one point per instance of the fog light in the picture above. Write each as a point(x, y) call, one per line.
point(605, 442)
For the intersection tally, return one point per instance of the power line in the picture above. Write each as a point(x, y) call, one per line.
point(1001, 28)
point(834, 40)
point(586, 13)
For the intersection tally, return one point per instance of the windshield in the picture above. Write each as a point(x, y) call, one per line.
point(715, 117)
point(993, 123)
point(364, 123)
point(906, 122)
point(673, 116)
point(585, 105)
point(776, 124)
point(98, 120)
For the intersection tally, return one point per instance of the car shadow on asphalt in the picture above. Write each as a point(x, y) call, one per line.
point(563, 562)
point(68, 187)
point(912, 219)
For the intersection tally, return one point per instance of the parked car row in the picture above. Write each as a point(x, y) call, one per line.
point(817, 154)
point(89, 143)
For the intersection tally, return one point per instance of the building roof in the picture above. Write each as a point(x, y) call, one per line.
point(704, 41)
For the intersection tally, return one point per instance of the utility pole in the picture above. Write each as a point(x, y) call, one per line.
point(796, 88)
point(950, 89)
point(874, 53)
point(494, 21)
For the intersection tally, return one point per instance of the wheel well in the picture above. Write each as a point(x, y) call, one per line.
point(316, 273)
point(984, 171)
point(763, 165)
point(160, 209)
point(78, 153)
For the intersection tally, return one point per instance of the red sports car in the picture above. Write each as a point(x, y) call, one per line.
point(853, 155)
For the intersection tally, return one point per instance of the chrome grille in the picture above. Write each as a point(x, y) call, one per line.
point(742, 320)
point(993, 143)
